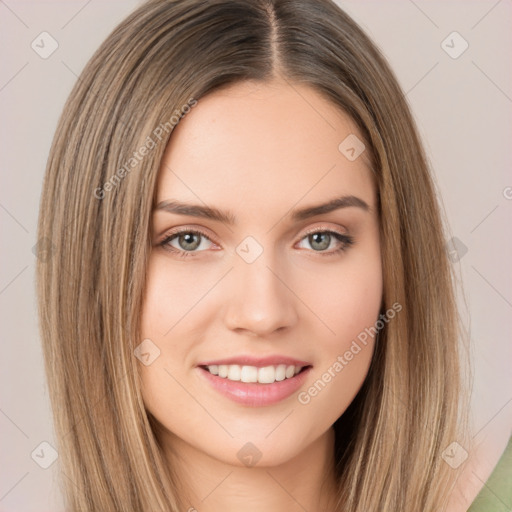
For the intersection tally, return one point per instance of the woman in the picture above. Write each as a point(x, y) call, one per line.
point(251, 305)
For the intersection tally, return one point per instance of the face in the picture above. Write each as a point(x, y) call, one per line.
point(255, 282)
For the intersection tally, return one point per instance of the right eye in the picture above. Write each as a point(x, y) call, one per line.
point(185, 242)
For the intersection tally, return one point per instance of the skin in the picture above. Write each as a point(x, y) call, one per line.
point(260, 151)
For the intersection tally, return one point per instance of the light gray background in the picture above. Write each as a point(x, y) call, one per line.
point(462, 107)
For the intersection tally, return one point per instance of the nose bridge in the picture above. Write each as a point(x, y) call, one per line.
point(260, 302)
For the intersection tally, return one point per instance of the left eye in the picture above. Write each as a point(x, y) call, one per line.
point(320, 241)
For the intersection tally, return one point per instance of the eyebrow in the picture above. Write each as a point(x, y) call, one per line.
point(227, 217)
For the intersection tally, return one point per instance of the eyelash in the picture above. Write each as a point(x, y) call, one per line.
point(346, 242)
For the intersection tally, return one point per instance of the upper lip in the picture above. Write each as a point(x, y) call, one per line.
point(259, 362)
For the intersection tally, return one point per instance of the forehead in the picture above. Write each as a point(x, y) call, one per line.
point(263, 143)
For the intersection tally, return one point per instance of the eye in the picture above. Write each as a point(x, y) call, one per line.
point(186, 242)
point(321, 240)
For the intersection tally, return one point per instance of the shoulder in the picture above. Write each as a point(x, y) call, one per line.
point(486, 457)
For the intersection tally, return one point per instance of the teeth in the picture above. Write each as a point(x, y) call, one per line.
point(248, 373)
point(281, 372)
point(265, 375)
point(234, 372)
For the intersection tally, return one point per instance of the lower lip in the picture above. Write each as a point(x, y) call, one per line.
point(254, 394)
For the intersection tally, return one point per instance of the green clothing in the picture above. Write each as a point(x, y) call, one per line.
point(496, 494)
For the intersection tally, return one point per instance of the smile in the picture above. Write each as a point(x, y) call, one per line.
point(265, 375)
point(254, 386)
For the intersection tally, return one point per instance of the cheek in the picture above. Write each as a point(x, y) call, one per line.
point(347, 299)
point(166, 301)
point(355, 305)
point(172, 291)
point(345, 357)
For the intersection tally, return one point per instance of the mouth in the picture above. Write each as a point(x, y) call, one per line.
point(255, 382)
point(255, 374)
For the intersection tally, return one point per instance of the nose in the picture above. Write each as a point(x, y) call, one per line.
point(260, 300)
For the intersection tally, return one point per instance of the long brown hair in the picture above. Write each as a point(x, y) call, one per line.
point(95, 211)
